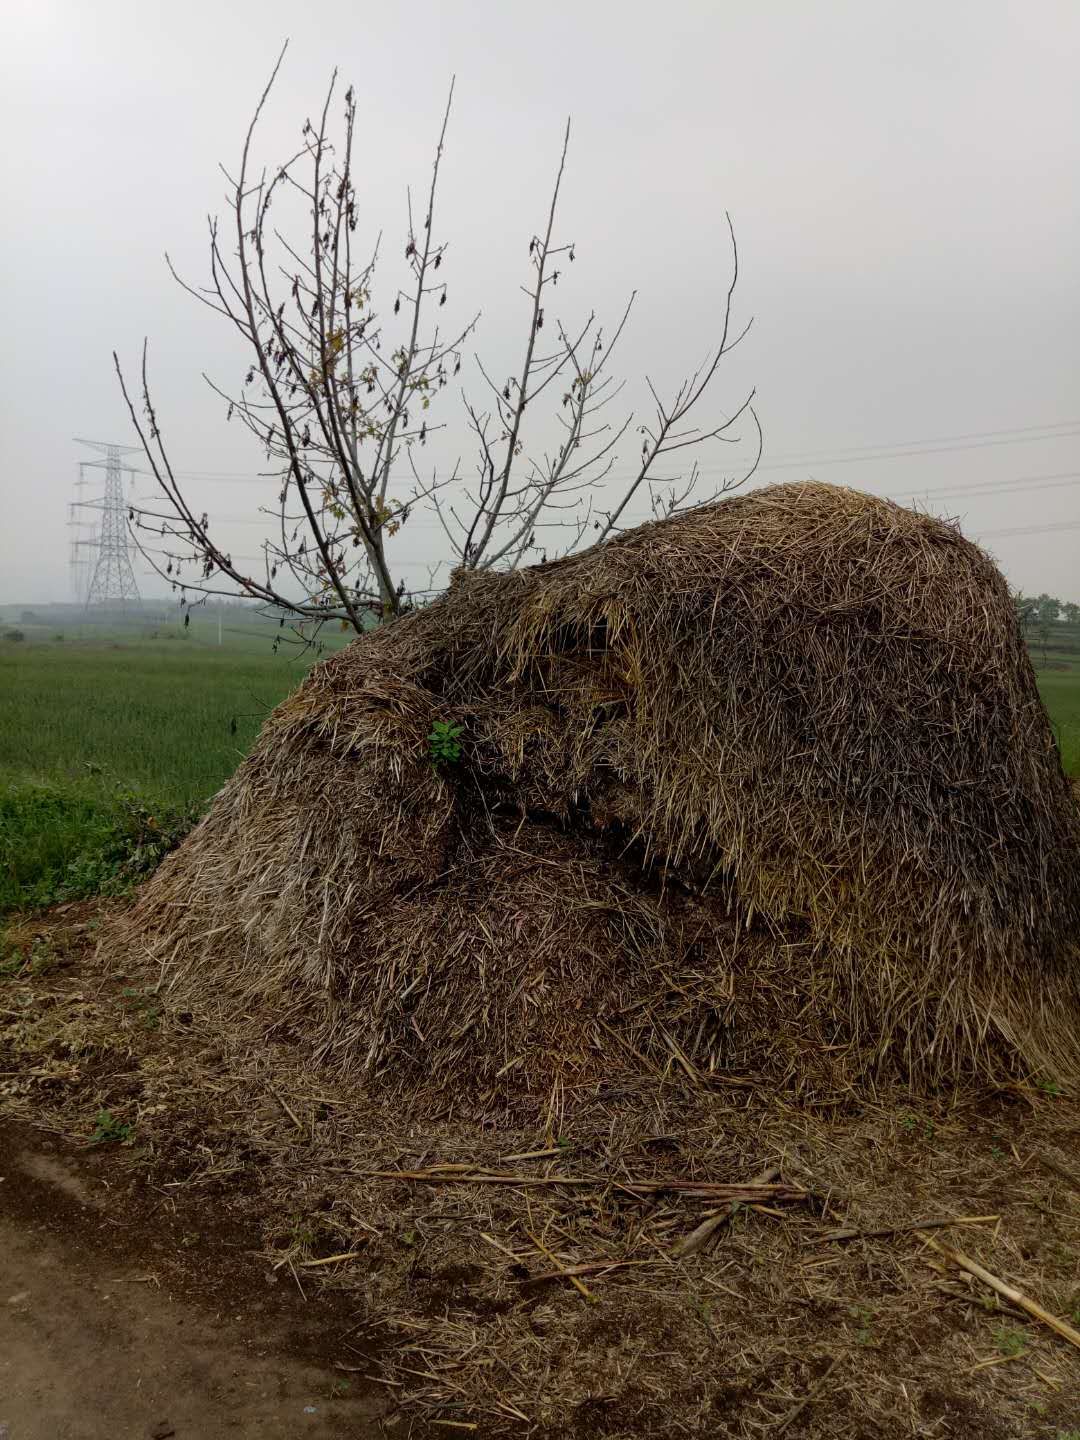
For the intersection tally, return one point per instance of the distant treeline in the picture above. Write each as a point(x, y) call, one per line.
point(1045, 610)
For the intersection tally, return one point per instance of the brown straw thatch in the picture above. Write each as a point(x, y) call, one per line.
point(768, 785)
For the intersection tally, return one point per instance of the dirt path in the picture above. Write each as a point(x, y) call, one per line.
point(110, 1331)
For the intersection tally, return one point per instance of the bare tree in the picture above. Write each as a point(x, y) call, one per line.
point(343, 402)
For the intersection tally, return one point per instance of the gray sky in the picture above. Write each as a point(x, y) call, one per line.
point(903, 178)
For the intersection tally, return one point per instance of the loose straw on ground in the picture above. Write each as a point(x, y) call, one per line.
point(1007, 1292)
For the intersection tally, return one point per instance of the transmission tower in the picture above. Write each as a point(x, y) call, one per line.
point(85, 536)
point(111, 574)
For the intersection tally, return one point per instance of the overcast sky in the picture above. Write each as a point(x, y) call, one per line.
point(903, 178)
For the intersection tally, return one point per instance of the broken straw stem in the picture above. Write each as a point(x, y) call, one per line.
point(1008, 1292)
point(700, 1237)
point(699, 1189)
point(940, 1224)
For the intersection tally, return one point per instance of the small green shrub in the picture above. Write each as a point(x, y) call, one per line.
point(16, 962)
point(109, 1130)
point(863, 1317)
point(1010, 1342)
point(444, 742)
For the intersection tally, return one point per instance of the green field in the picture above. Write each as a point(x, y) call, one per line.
point(1057, 663)
point(112, 741)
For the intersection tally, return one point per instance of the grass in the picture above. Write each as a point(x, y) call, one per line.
point(107, 1129)
point(112, 743)
point(1060, 690)
point(1057, 662)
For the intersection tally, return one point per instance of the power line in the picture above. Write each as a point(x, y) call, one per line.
point(847, 455)
point(908, 454)
point(1063, 479)
point(1018, 430)
point(998, 487)
point(1029, 529)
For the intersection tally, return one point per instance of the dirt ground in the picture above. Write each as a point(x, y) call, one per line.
point(213, 1239)
point(116, 1324)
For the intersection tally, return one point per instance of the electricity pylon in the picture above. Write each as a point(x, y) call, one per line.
point(112, 576)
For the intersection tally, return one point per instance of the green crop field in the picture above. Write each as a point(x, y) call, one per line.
point(1057, 661)
point(1061, 694)
point(111, 741)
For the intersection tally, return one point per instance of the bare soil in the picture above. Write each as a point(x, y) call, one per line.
point(206, 1239)
point(117, 1320)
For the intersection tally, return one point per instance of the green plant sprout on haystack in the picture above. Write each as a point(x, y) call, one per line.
point(764, 787)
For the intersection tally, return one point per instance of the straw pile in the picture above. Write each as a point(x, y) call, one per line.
point(765, 788)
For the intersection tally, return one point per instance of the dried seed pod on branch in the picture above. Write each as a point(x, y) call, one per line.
point(342, 400)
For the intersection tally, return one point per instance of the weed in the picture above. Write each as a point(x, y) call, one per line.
point(43, 958)
point(300, 1237)
point(1051, 1088)
point(303, 1233)
point(12, 959)
point(911, 1123)
point(1010, 1342)
point(57, 843)
point(110, 1130)
point(444, 743)
point(144, 1006)
point(863, 1316)
point(703, 1309)
point(39, 961)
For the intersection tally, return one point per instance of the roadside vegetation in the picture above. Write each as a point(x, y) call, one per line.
point(112, 741)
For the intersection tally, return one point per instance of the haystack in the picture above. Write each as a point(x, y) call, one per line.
point(764, 787)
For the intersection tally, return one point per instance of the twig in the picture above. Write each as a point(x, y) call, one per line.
point(285, 1106)
point(993, 1361)
point(703, 1233)
point(534, 1155)
point(1008, 1292)
point(296, 1277)
point(701, 1189)
point(332, 1259)
point(796, 1410)
point(498, 1245)
point(838, 1235)
point(586, 1267)
point(578, 1285)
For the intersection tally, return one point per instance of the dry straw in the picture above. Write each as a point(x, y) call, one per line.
point(767, 788)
